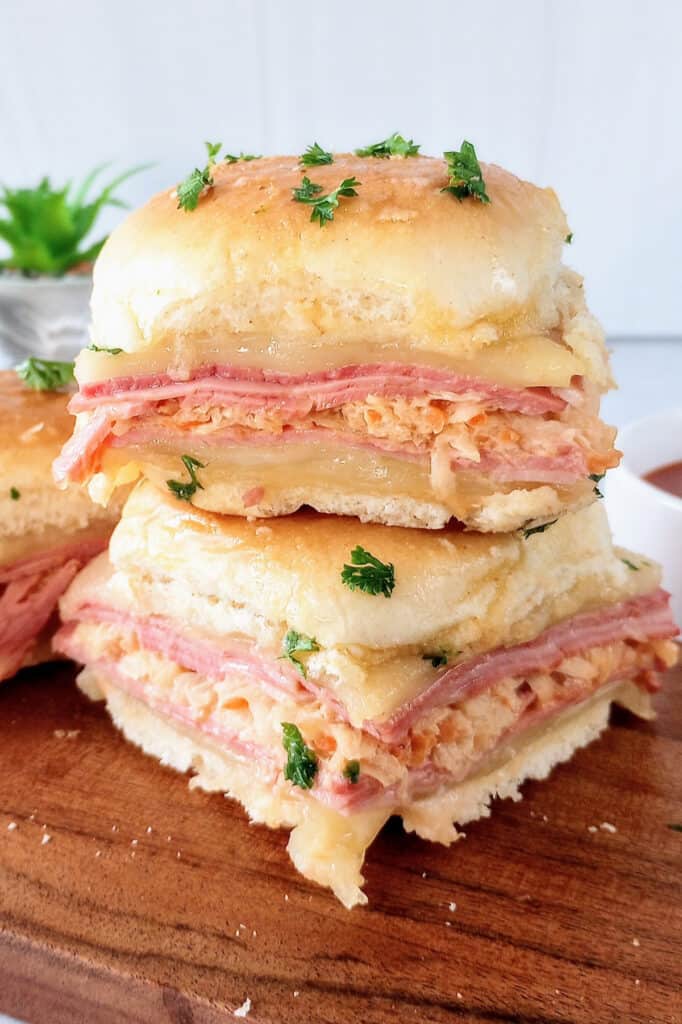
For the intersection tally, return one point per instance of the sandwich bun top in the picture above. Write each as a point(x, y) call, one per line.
point(405, 272)
point(285, 573)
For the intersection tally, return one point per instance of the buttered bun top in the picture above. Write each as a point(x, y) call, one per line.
point(405, 272)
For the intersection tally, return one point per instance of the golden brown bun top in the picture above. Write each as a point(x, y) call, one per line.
point(33, 427)
point(404, 270)
point(495, 589)
point(34, 514)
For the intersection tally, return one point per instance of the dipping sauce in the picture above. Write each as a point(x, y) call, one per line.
point(667, 478)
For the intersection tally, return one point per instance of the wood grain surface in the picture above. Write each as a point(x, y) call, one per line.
point(151, 903)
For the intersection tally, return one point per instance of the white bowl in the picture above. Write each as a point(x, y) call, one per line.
point(643, 517)
point(44, 316)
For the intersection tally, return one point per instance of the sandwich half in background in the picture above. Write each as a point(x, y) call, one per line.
point(328, 674)
point(417, 359)
point(46, 535)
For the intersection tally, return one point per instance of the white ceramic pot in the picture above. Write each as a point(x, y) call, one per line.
point(43, 316)
point(643, 517)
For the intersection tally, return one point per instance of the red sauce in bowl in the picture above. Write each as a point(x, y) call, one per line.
point(667, 478)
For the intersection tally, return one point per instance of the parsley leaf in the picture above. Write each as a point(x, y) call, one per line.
point(394, 145)
point(368, 573)
point(596, 478)
point(466, 177)
point(185, 491)
point(323, 207)
point(109, 351)
point(45, 374)
point(315, 156)
point(352, 771)
point(230, 158)
point(301, 767)
point(675, 828)
point(437, 660)
point(194, 184)
point(294, 642)
point(630, 565)
point(569, 238)
point(529, 531)
point(307, 191)
point(14, 494)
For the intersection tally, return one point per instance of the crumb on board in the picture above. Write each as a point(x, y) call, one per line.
point(46, 839)
point(606, 826)
point(448, 924)
point(114, 828)
point(460, 996)
point(635, 942)
point(423, 874)
point(149, 830)
point(592, 828)
point(637, 981)
point(134, 842)
point(98, 853)
point(452, 906)
point(12, 826)
point(245, 1008)
point(66, 734)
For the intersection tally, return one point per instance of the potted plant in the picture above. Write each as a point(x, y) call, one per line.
point(46, 277)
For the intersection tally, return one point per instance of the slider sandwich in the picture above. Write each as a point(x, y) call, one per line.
point(329, 674)
point(351, 337)
point(45, 536)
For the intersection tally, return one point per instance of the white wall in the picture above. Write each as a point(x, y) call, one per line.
point(581, 94)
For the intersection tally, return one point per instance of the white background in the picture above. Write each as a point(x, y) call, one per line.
point(581, 94)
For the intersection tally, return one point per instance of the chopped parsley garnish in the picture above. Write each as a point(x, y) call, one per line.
point(301, 766)
point(324, 207)
point(630, 565)
point(294, 643)
point(529, 531)
point(307, 191)
point(596, 478)
point(394, 145)
point(569, 238)
point(230, 158)
point(109, 351)
point(45, 374)
point(315, 156)
point(185, 491)
point(437, 660)
point(466, 177)
point(368, 573)
point(352, 771)
point(14, 494)
point(194, 184)
point(675, 828)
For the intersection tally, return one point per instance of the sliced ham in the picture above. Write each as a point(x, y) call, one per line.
point(648, 617)
point(197, 653)
point(108, 405)
point(642, 618)
point(29, 592)
point(324, 390)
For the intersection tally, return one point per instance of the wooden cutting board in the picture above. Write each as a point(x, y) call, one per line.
point(151, 903)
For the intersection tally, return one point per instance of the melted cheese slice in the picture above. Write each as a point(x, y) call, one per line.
point(521, 362)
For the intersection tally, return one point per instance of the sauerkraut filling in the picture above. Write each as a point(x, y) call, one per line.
point(445, 745)
point(462, 431)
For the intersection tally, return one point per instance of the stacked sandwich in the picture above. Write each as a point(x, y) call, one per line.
point(365, 570)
